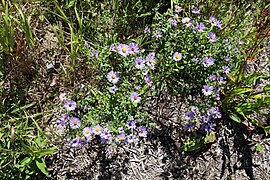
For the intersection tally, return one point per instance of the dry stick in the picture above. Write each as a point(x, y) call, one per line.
point(12, 135)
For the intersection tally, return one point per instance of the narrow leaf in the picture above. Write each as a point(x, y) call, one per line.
point(235, 118)
point(42, 166)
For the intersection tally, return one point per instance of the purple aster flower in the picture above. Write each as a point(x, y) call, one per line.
point(145, 72)
point(205, 118)
point(214, 112)
point(152, 54)
point(148, 80)
point(134, 48)
point(119, 138)
point(113, 77)
point(135, 97)
point(212, 37)
point(207, 90)
point(240, 42)
point(137, 87)
point(217, 115)
point(189, 126)
point(173, 22)
point(74, 123)
point(177, 56)
point(177, 8)
point(208, 61)
point(113, 48)
point(70, 105)
point(131, 138)
point(196, 11)
point(84, 140)
point(61, 124)
point(123, 49)
point(109, 150)
point(211, 111)
point(195, 109)
point(147, 30)
point(86, 45)
point(217, 93)
point(139, 63)
point(213, 20)
point(158, 34)
point(121, 130)
point(75, 142)
point(94, 53)
point(64, 117)
point(97, 129)
point(189, 115)
point(209, 127)
point(200, 27)
point(87, 132)
point(227, 58)
point(226, 69)
point(142, 132)
point(213, 77)
point(221, 80)
point(150, 61)
point(187, 21)
point(218, 24)
point(113, 89)
point(62, 97)
point(196, 60)
point(106, 136)
point(89, 139)
point(131, 125)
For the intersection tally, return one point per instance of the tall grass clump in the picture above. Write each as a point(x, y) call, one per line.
point(23, 144)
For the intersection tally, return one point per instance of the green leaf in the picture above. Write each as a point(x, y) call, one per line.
point(241, 90)
point(267, 88)
point(256, 122)
point(259, 148)
point(266, 130)
point(47, 151)
point(22, 108)
point(235, 118)
point(210, 137)
point(240, 111)
point(42, 166)
point(71, 3)
point(192, 145)
point(252, 78)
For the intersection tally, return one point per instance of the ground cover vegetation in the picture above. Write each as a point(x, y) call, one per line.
point(118, 54)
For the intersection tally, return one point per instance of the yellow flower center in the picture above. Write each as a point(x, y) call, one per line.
point(97, 129)
point(87, 131)
point(75, 122)
point(150, 60)
point(124, 50)
point(176, 56)
point(113, 77)
point(120, 138)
